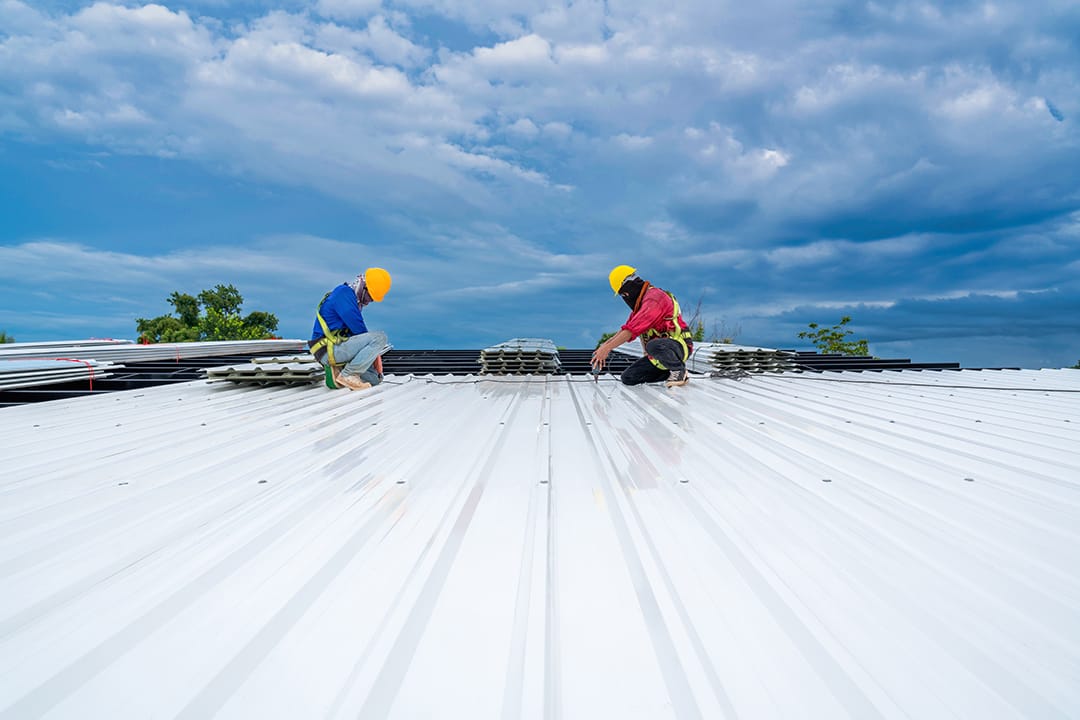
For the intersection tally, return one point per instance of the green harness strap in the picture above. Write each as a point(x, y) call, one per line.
point(330, 337)
point(676, 333)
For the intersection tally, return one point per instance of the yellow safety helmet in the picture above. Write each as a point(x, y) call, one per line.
point(378, 282)
point(618, 276)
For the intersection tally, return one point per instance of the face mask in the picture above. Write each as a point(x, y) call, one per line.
point(631, 290)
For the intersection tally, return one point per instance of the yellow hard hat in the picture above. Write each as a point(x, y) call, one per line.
point(618, 276)
point(378, 282)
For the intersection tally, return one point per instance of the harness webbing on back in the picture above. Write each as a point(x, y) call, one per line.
point(330, 337)
point(677, 333)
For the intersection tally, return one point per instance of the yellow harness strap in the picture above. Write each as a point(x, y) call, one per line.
point(676, 333)
point(330, 337)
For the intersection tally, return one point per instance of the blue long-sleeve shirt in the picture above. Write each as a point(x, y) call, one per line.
point(341, 310)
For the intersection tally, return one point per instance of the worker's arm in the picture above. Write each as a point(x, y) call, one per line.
point(600, 354)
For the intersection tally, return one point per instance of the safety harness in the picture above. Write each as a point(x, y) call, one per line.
point(677, 333)
point(330, 337)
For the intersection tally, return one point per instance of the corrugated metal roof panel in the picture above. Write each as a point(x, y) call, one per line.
point(781, 546)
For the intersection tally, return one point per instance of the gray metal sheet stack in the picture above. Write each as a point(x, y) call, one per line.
point(521, 356)
point(732, 358)
point(726, 358)
point(125, 351)
point(18, 374)
point(296, 370)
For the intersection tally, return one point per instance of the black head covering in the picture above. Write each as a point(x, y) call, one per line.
point(631, 290)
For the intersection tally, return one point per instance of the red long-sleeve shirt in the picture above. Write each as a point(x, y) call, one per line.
point(654, 313)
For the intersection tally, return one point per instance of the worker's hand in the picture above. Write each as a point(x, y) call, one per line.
point(599, 356)
point(378, 365)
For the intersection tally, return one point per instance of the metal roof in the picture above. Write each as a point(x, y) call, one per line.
point(864, 545)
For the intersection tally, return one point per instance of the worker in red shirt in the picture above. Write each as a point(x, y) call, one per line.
point(655, 318)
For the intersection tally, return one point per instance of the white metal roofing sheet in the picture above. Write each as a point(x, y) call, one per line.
point(780, 546)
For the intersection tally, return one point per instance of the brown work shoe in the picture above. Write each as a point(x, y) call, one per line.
point(351, 381)
point(677, 378)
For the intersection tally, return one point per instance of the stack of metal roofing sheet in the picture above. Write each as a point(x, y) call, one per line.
point(48, 344)
point(16, 374)
point(725, 358)
point(267, 373)
point(126, 351)
point(299, 358)
point(521, 356)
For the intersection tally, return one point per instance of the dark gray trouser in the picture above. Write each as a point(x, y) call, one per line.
point(667, 351)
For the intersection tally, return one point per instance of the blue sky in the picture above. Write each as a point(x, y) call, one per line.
point(911, 164)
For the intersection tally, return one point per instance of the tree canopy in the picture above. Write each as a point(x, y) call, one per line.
point(5, 338)
point(834, 339)
point(211, 315)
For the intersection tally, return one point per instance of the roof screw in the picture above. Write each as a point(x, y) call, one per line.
point(544, 481)
point(123, 483)
point(262, 482)
point(969, 479)
point(202, 424)
point(683, 480)
point(400, 482)
point(826, 479)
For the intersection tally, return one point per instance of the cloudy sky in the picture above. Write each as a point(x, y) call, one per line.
point(914, 165)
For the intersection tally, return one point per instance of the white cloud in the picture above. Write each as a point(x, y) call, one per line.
point(582, 54)
point(523, 127)
point(633, 142)
point(378, 39)
point(524, 53)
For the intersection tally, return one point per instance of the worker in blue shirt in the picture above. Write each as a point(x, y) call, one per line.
point(350, 353)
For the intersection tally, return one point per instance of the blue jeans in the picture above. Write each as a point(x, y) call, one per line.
point(358, 352)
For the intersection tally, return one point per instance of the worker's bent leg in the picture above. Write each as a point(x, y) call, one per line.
point(668, 352)
point(642, 371)
point(359, 352)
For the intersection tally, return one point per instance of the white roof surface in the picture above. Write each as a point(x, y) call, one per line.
point(777, 547)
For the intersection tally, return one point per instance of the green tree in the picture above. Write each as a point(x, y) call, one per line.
point(834, 339)
point(212, 315)
point(187, 307)
point(5, 338)
point(1077, 365)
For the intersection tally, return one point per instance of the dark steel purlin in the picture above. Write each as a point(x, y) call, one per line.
point(133, 376)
